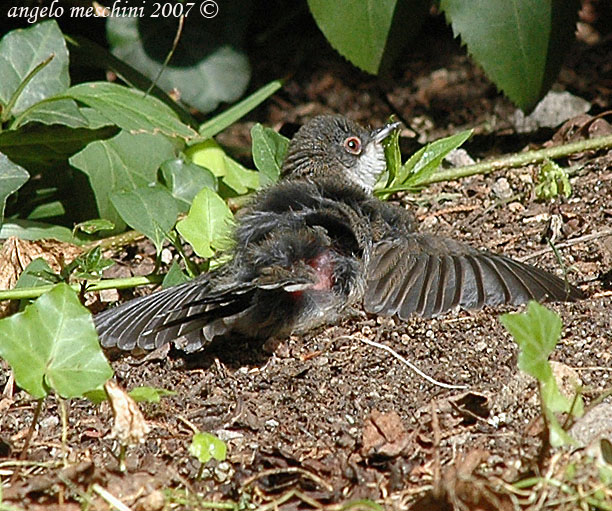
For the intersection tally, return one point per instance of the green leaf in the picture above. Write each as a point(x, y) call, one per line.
point(207, 66)
point(423, 164)
point(393, 158)
point(39, 147)
point(89, 265)
point(208, 154)
point(37, 273)
point(205, 446)
point(130, 109)
point(61, 111)
point(208, 225)
point(47, 210)
point(149, 394)
point(12, 177)
point(122, 163)
point(94, 226)
point(53, 345)
point(520, 44)
point(552, 181)
point(269, 150)
point(21, 51)
point(218, 123)
point(537, 332)
point(175, 276)
point(86, 53)
point(30, 230)
point(149, 209)
point(185, 180)
point(369, 33)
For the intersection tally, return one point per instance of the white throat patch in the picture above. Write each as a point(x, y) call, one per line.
point(371, 164)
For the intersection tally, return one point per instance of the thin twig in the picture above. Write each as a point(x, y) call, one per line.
point(568, 243)
point(110, 498)
point(28, 439)
point(409, 364)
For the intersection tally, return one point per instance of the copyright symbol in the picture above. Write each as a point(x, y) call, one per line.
point(209, 8)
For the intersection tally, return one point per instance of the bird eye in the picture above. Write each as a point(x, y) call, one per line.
point(353, 145)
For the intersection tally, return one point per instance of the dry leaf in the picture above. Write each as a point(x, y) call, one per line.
point(130, 426)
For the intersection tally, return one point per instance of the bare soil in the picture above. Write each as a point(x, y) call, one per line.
point(325, 419)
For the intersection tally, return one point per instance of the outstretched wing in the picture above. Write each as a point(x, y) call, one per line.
point(427, 275)
point(153, 320)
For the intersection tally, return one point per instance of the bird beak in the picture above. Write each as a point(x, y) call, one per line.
point(380, 134)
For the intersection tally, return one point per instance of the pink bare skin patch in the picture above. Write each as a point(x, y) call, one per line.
point(324, 270)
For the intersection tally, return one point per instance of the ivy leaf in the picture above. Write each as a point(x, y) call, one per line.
point(53, 345)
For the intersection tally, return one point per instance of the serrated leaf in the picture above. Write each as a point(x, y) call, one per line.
point(208, 225)
point(122, 163)
point(62, 111)
point(206, 446)
point(185, 180)
point(149, 394)
point(53, 344)
point(369, 33)
point(520, 44)
point(358, 30)
point(152, 210)
point(130, 109)
point(269, 150)
point(21, 51)
point(207, 66)
point(12, 177)
point(40, 147)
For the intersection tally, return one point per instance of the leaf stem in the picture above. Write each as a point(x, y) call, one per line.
point(34, 292)
point(520, 159)
point(223, 120)
point(9, 107)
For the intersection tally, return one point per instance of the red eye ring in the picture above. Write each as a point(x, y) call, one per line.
point(353, 145)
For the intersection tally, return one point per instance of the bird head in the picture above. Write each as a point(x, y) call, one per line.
point(334, 146)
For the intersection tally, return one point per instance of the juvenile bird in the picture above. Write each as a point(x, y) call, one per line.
point(314, 245)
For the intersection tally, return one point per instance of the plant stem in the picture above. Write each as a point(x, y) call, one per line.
point(34, 292)
point(10, 105)
point(114, 242)
point(28, 439)
point(520, 159)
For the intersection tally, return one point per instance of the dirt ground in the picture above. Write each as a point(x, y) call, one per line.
point(325, 420)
